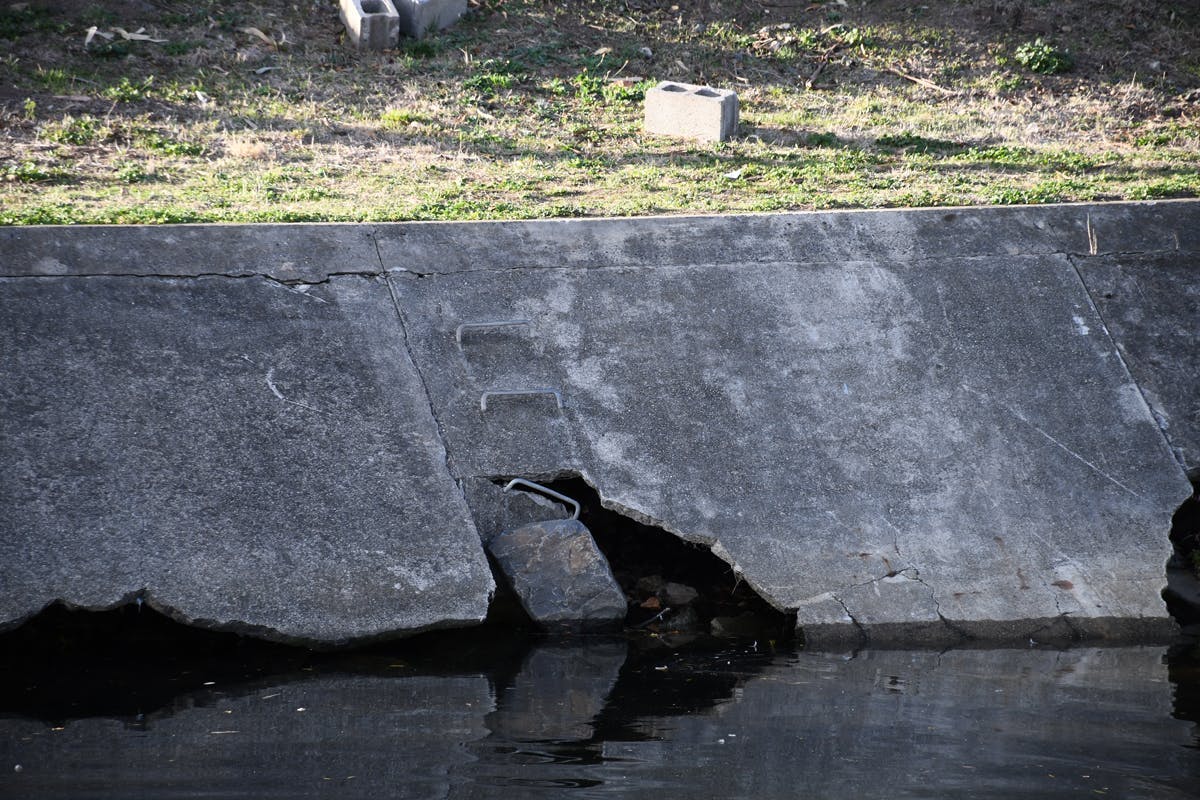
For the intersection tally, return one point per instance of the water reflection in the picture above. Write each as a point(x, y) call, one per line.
point(598, 718)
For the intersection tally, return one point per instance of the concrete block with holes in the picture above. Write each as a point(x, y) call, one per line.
point(371, 24)
point(421, 17)
point(701, 113)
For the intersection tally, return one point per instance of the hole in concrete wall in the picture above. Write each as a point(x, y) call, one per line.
point(706, 93)
point(373, 7)
point(1182, 594)
point(670, 87)
point(675, 588)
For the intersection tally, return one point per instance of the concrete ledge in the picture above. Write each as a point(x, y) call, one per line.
point(694, 112)
point(311, 253)
point(314, 252)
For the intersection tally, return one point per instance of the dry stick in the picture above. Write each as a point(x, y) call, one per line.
point(808, 84)
point(922, 82)
point(812, 79)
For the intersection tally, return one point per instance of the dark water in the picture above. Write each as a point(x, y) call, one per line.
point(612, 718)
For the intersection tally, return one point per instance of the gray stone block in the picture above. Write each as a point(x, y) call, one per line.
point(686, 111)
point(560, 576)
point(372, 24)
point(249, 455)
point(419, 18)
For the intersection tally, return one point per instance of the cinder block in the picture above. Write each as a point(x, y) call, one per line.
point(419, 17)
point(691, 112)
point(372, 24)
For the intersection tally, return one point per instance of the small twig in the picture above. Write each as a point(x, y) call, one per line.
point(808, 84)
point(822, 61)
point(923, 82)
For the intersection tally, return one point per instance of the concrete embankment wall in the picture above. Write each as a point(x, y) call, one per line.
point(909, 423)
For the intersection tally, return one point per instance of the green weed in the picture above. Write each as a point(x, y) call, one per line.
point(54, 80)
point(1041, 56)
point(494, 75)
point(911, 142)
point(399, 118)
point(76, 130)
point(180, 48)
point(127, 91)
point(32, 172)
point(130, 172)
point(150, 139)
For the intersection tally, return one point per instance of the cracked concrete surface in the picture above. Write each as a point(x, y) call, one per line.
point(911, 425)
point(240, 456)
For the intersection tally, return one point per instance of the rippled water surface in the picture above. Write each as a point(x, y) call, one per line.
point(604, 717)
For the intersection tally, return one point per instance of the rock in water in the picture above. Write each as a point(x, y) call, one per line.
point(561, 578)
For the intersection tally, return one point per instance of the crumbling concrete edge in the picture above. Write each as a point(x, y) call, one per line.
point(1063, 629)
point(149, 599)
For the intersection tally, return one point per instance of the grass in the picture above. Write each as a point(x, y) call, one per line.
point(530, 109)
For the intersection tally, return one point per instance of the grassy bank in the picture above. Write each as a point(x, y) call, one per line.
point(259, 111)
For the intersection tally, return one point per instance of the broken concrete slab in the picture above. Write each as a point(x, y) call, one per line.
point(560, 576)
point(242, 454)
point(1150, 305)
point(949, 443)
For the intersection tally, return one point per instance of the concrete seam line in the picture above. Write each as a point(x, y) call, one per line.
point(1124, 364)
point(442, 438)
point(197, 275)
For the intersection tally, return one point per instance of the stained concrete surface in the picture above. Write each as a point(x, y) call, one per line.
point(1151, 307)
point(247, 454)
point(896, 422)
point(947, 439)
